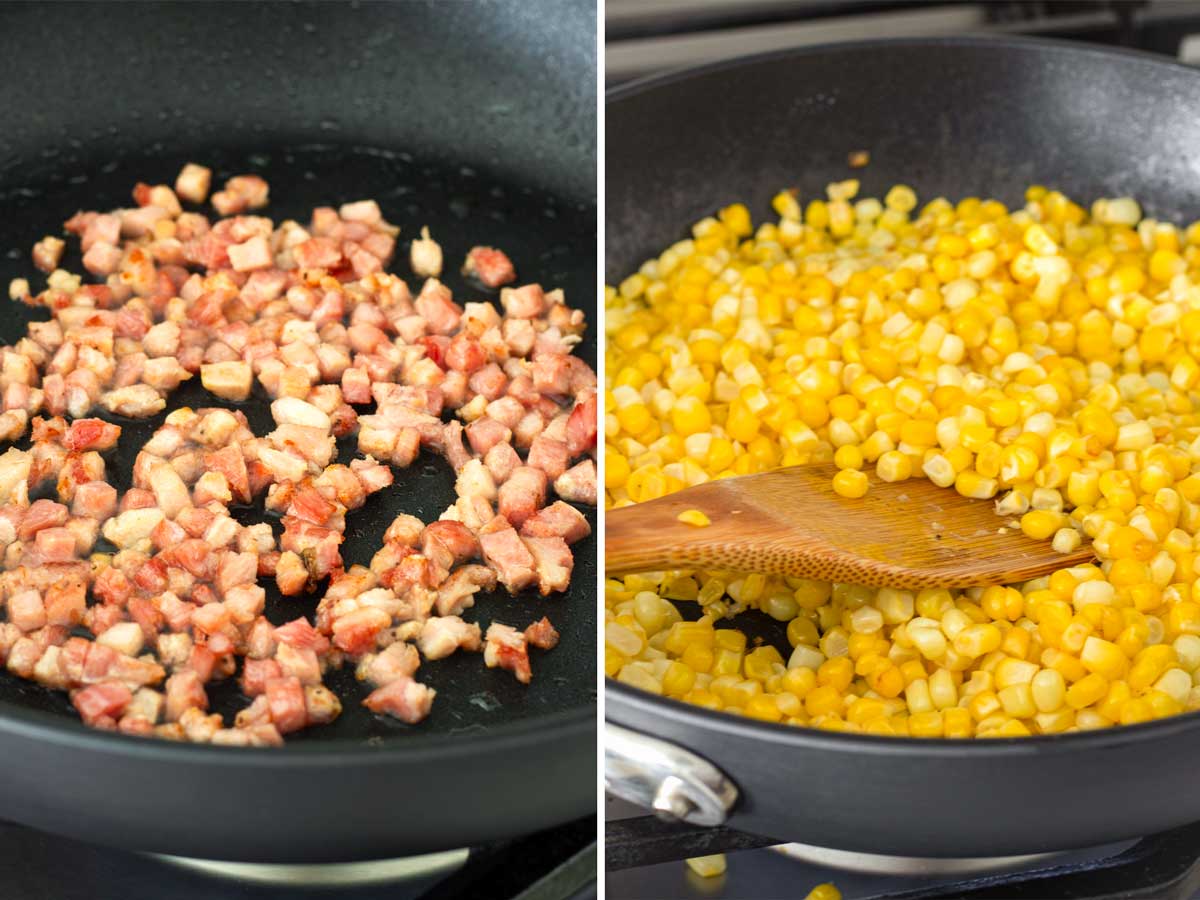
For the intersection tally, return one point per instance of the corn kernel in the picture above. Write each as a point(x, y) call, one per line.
point(708, 866)
point(824, 891)
point(894, 466)
point(694, 517)
point(850, 483)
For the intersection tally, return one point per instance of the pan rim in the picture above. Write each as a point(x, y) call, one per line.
point(814, 739)
point(637, 86)
point(567, 725)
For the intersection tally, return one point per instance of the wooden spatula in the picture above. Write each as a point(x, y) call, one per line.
point(911, 534)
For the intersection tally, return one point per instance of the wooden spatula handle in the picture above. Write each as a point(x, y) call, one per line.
point(637, 542)
point(649, 536)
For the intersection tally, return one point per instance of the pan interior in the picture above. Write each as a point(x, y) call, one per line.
point(955, 117)
point(551, 239)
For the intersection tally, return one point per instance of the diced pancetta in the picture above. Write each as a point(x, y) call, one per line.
point(405, 699)
point(307, 312)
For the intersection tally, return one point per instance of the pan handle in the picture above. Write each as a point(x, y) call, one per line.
point(676, 783)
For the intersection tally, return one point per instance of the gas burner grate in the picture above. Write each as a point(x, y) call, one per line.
point(556, 864)
point(1165, 866)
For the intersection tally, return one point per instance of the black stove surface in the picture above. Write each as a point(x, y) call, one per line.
point(556, 864)
point(645, 861)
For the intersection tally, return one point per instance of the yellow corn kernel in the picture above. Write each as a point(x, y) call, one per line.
point(1087, 691)
point(928, 724)
point(983, 705)
point(850, 483)
point(975, 641)
point(848, 457)
point(1049, 690)
point(1017, 701)
point(822, 700)
point(971, 484)
point(1149, 665)
point(1041, 524)
point(764, 708)
point(799, 681)
point(678, 679)
point(838, 672)
point(736, 218)
point(690, 416)
point(694, 517)
point(698, 657)
point(824, 891)
point(1104, 657)
point(730, 639)
point(1010, 672)
point(786, 205)
point(956, 722)
point(1038, 241)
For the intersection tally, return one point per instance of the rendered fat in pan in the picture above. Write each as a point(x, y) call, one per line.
point(475, 119)
point(954, 117)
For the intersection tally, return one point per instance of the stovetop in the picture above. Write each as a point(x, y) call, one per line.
point(645, 861)
point(556, 864)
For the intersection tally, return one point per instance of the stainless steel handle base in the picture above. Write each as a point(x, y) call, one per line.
point(676, 783)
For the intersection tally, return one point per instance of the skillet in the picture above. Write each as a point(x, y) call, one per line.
point(956, 117)
point(475, 119)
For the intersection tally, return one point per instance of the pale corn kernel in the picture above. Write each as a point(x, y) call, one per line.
point(894, 605)
point(1175, 683)
point(1014, 671)
point(866, 620)
point(1014, 503)
point(1049, 690)
point(1093, 592)
point(930, 642)
point(1066, 540)
point(1017, 701)
point(894, 466)
point(1187, 651)
point(942, 689)
point(806, 657)
point(623, 639)
point(637, 677)
point(708, 866)
point(1117, 211)
point(939, 470)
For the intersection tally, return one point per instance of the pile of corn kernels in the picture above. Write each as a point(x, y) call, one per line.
point(1044, 357)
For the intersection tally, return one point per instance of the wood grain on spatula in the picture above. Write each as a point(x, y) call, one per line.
point(910, 534)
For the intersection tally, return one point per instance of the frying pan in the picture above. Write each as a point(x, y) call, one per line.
point(955, 117)
point(475, 119)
